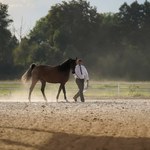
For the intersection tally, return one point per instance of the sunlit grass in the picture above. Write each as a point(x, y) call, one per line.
point(96, 90)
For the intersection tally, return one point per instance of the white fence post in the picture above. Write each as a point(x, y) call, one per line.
point(118, 89)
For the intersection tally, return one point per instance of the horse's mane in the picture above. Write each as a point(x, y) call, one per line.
point(65, 65)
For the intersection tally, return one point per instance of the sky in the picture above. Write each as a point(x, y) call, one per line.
point(25, 13)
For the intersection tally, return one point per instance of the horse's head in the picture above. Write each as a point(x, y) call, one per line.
point(72, 64)
point(67, 65)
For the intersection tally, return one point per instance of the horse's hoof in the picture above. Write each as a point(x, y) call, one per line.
point(67, 101)
point(43, 106)
point(26, 105)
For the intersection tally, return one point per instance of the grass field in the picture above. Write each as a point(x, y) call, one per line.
point(96, 90)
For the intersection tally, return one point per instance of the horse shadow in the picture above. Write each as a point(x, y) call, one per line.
point(68, 141)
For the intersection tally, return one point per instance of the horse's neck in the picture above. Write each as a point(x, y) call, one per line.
point(64, 67)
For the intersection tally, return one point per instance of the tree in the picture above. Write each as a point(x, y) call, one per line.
point(7, 41)
point(71, 24)
point(113, 45)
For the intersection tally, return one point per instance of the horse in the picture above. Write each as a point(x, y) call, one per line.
point(51, 74)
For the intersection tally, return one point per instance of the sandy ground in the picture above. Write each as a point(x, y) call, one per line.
point(93, 125)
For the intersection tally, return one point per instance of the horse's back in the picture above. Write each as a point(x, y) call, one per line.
point(49, 74)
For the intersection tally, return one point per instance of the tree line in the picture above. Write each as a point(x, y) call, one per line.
point(112, 45)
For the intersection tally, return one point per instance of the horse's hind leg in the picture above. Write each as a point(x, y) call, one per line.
point(43, 89)
point(60, 87)
point(64, 91)
point(31, 88)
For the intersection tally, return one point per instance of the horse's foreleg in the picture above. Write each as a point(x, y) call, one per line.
point(64, 91)
point(31, 89)
point(42, 90)
point(60, 87)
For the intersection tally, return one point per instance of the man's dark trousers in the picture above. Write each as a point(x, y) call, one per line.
point(80, 84)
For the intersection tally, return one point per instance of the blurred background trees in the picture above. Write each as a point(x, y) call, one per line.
point(7, 43)
point(112, 45)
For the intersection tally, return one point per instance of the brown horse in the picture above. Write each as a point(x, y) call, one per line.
point(43, 73)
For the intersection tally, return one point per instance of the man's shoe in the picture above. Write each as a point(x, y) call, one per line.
point(75, 99)
point(82, 100)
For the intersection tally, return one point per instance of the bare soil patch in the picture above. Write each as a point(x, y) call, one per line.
point(93, 125)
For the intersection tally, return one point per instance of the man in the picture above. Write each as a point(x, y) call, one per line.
point(81, 75)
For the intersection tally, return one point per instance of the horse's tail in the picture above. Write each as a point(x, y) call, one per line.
point(27, 75)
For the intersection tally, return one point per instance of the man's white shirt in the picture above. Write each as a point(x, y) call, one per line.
point(81, 72)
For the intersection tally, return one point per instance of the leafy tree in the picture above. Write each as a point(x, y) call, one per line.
point(21, 53)
point(7, 43)
point(71, 24)
point(4, 33)
point(113, 45)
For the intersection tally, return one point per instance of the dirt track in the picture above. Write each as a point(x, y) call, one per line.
point(97, 125)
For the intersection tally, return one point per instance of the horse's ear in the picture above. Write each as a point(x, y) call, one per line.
point(76, 58)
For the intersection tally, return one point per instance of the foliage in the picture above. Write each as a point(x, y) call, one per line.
point(113, 45)
point(7, 42)
point(65, 31)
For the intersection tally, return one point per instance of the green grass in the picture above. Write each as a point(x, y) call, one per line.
point(96, 90)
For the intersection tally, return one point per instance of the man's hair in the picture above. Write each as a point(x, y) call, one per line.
point(79, 60)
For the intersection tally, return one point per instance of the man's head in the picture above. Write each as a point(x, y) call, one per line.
point(79, 61)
